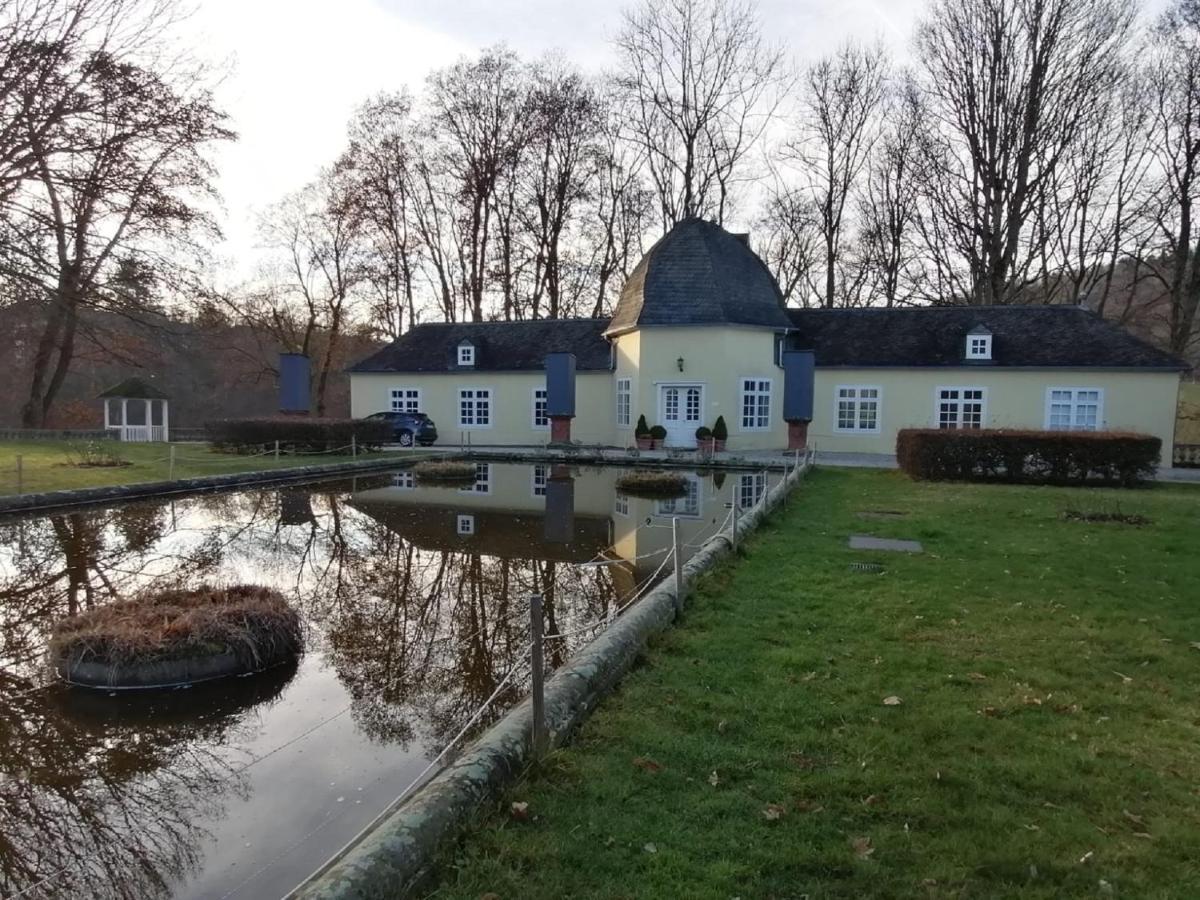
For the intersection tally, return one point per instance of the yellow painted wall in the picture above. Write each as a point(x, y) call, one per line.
point(1188, 427)
point(512, 403)
point(714, 358)
point(1132, 401)
point(718, 359)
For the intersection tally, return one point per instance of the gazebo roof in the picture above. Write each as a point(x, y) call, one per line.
point(134, 389)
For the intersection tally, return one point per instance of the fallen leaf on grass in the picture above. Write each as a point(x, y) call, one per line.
point(807, 806)
point(802, 761)
point(1125, 679)
point(1086, 857)
point(872, 800)
point(520, 811)
point(489, 896)
point(646, 764)
point(773, 812)
point(862, 847)
point(892, 700)
point(721, 726)
point(650, 848)
point(977, 676)
point(714, 779)
point(1135, 819)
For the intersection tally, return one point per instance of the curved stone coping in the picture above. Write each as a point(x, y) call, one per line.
point(117, 493)
point(161, 673)
point(396, 852)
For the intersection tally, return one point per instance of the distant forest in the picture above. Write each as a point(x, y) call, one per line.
point(1036, 151)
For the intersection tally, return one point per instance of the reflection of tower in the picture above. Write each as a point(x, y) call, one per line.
point(559, 526)
point(295, 508)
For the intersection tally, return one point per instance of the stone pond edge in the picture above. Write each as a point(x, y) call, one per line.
point(392, 857)
point(146, 490)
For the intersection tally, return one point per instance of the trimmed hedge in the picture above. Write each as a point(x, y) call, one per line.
point(299, 433)
point(1028, 457)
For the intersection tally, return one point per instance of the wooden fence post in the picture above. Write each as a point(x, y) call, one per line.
point(20, 474)
point(677, 541)
point(538, 677)
point(171, 463)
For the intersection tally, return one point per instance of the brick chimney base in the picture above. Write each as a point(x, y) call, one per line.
point(560, 429)
point(797, 435)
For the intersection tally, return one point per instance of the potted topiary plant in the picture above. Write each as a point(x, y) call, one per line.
point(659, 434)
point(720, 434)
point(641, 434)
point(704, 439)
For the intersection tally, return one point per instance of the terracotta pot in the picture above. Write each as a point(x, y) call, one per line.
point(644, 443)
point(706, 445)
point(718, 446)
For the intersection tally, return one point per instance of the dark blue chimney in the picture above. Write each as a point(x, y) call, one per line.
point(799, 371)
point(294, 373)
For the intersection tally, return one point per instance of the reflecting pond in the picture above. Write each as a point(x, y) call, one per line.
point(414, 600)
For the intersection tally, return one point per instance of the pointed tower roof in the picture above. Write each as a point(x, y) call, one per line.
point(699, 274)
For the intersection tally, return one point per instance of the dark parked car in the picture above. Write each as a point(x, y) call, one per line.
point(409, 427)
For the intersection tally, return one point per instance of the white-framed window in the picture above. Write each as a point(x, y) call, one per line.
point(537, 480)
point(960, 407)
point(621, 504)
point(483, 480)
point(1074, 408)
point(406, 400)
point(750, 489)
point(466, 354)
point(475, 408)
point(404, 480)
point(857, 408)
point(979, 346)
point(624, 402)
point(540, 419)
point(756, 404)
point(687, 506)
point(466, 525)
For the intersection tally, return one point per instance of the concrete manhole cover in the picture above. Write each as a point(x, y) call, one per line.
point(868, 542)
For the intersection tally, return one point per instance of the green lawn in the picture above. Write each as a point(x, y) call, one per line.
point(51, 465)
point(1046, 742)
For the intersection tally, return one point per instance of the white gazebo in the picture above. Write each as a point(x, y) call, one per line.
point(129, 411)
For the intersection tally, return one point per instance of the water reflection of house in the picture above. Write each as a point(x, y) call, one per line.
point(559, 513)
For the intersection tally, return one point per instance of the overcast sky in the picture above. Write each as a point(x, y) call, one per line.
point(300, 67)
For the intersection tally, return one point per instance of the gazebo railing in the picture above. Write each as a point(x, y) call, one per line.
point(140, 433)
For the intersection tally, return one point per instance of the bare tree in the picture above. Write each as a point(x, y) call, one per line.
point(319, 233)
point(842, 99)
point(379, 165)
point(1175, 139)
point(116, 187)
point(699, 86)
point(887, 207)
point(1009, 84)
point(478, 120)
point(560, 171)
point(791, 243)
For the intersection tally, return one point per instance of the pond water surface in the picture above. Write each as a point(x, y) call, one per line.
point(415, 603)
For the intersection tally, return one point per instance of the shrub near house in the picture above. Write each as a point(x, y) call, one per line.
point(297, 433)
point(1028, 457)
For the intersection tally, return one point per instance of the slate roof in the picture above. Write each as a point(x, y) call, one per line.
point(699, 274)
point(1022, 336)
point(134, 389)
point(499, 346)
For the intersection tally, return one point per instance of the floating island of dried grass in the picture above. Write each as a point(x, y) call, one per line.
point(656, 485)
point(445, 470)
point(177, 637)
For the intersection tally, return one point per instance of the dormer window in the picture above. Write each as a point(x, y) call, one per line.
point(466, 354)
point(979, 344)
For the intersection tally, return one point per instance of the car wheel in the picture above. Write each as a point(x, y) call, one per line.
point(406, 439)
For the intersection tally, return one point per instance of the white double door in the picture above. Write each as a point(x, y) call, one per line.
point(680, 410)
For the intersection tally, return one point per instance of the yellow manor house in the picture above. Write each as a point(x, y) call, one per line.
point(701, 332)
